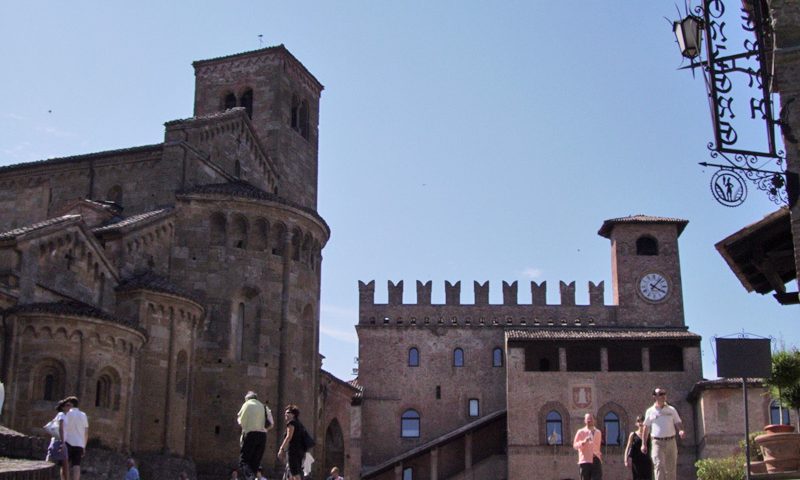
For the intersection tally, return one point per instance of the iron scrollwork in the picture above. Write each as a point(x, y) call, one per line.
point(728, 73)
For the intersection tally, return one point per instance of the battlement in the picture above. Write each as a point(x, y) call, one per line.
point(481, 313)
point(366, 293)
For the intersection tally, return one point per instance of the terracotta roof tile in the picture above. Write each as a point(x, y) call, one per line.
point(244, 189)
point(119, 223)
point(72, 308)
point(608, 225)
point(274, 49)
point(78, 158)
point(536, 333)
point(11, 234)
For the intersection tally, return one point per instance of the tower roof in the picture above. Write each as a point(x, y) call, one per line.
point(277, 49)
point(608, 225)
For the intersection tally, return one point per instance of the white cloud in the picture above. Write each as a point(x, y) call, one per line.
point(532, 273)
point(55, 132)
point(348, 336)
point(339, 323)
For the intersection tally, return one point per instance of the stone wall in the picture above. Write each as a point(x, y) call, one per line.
point(532, 395)
point(436, 389)
point(86, 357)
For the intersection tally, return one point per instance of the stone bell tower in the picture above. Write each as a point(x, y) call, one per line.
point(282, 100)
point(645, 269)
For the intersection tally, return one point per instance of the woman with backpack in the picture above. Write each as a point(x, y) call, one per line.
point(293, 448)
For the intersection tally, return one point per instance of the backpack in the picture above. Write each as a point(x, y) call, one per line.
point(308, 440)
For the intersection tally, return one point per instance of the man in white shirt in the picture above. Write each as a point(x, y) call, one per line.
point(662, 420)
point(76, 435)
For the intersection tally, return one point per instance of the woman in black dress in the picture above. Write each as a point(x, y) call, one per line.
point(292, 450)
point(641, 464)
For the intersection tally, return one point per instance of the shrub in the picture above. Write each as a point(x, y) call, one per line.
point(728, 468)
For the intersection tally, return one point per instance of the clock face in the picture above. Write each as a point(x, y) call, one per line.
point(654, 287)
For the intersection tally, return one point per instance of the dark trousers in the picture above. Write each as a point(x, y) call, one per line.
point(251, 452)
point(592, 471)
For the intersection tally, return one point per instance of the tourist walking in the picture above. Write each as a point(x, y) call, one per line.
point(57, 450)
point(255, 419)
point(133, 472)
point(661, 422)
point(292, 448)
point(76, 435)
point(587, 442)
point(335, 474)
point(641, 465)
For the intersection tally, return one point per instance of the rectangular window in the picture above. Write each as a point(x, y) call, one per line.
point(474, 407)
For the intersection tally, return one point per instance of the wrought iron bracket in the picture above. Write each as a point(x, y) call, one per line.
point(727, 72)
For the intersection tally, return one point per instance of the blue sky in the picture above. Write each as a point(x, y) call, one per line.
point(459, 140)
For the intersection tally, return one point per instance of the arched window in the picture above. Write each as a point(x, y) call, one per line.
point(413, 357)
point(304, 119)
point(237, 169)
point(247, 102)
point(229, 101)
point(458, 357)
point(646, 245)
point(49, 380)
point(775, 414)
point(497, 357)
point(409, 424)
point(102, 394)
point(613, 434)
point(408, 473)
point(106, 394)
point(49, 387)
point(554, 428)
point(334, 445)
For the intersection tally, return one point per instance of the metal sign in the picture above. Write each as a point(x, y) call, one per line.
point(744, 357)
point(736, 67)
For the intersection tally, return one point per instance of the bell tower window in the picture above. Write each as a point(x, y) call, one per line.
point(647, 246)
point(246, 101)
point(229, 101)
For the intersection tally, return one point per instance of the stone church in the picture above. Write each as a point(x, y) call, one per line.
point(159, 283)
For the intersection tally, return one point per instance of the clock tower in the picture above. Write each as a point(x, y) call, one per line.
point(645, 270)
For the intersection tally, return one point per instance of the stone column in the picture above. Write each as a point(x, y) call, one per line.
point(645, 359)
point(562, 359)
point(604, 359)
point(398, 471)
